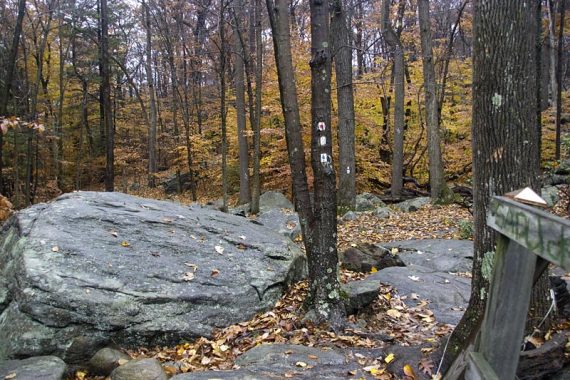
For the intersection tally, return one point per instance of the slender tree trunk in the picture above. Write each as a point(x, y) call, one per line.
point(152, 170)
point(345, 100)
point(552, 39)
point(359, 39)
point(106, 101)
point(559, 84)
point(256, 186)
point(439, 190)
point(11, 68)
point(222, 73)
point(505, 138)
point(59, 125)
point(239, 81)
point(398, 152)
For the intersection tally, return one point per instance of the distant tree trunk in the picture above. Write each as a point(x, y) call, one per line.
point(559, 83)
point(359, 39)
point(345, 100)
point(239, 82)
point(222, 74)
point(106, 101)
point(550, 9)
point(10, 70)
point(58, 148)
point(152, 100)
point(398, 152)
point(256, 186)
point(439, 190)
point(505, 136)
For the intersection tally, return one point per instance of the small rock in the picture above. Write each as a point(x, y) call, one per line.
point(360, 294)
point(382, 212)
point(413, 204)
point(349, 216)
point(34, 368)
point(140, 369)
point(550, 195)
point(365, 257)
point(106, 360)
point(368, 202)
point(274, 199)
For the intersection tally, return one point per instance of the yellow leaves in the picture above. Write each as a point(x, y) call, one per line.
point(79, 375)
point(373, 270)
point(409, 371)
point(125, 244)
point(389, 358)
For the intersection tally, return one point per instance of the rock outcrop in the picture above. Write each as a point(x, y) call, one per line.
point(92, 268)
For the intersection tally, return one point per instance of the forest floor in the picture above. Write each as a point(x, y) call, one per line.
point(387, 316)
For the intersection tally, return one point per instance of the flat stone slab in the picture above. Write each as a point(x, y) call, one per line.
point(35, 368)
point(93, 268)
point(440, 255)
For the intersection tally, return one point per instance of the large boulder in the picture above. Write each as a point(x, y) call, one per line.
point(93, 268)
point(285, 222)
point(274, 199)
point(36, 368)
point(368, 202)
point(412, 204)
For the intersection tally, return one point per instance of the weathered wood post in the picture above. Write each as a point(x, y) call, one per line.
point(525, 231)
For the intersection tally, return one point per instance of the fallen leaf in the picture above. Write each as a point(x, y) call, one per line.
point(373, 270)
point(314, 357)
point(125, 243)
point(394, 251)
point(193, 266)
point(394, 313)
point(55, 249)
point(114, 233)
point(414, 278)
point(409, 371)
point(219, 249)
point(205, 360)
point(79, 375)
point(426, 366)
point(10, 376)
point(390, 358)
point(242, 237)
point(122, 361)
point(188, 276)
point(301, 364)
point(215, 272)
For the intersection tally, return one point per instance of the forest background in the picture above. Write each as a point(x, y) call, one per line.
point(182, 85)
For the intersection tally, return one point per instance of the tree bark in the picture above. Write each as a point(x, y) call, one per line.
point(222, 74)
point(152, 100)
point(256, 185)
point(345, 100)
point(324, 286)
point(11, 68)
point(106, 100)
point(438, 188)
point(505, 136)
point(560, 49)
point(398, 152)
point(239, 83)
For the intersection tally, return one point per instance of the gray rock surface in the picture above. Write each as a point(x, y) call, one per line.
point(140, 369)
point(284, 222)
point(35, 368)
point(368, 202)
point(550, 195)
point(412, 204)
point(350, 215)
point(440, 255)
point(90, 268)
point(274, 199)
point(382, 212)
point(106, 360)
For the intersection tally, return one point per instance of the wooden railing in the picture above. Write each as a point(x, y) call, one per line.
point(529, 239)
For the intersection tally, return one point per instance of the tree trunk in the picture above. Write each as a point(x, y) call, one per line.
point(505, 136)
point(438, 188)
point(560, 49)
point(152, 100)
point(11, 68)
point(222, 74)
point(359, 39)
point(398, 153)
point(552, 51)
point(324, 286)
point(106, 100)
point(345, 100)
point(256, 186)
point(239, 82)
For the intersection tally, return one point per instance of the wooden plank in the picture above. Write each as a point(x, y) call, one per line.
point(542, 233)
point(505, 316)
point(479, 369)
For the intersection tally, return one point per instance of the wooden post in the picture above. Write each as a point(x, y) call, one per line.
point(505, 317)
